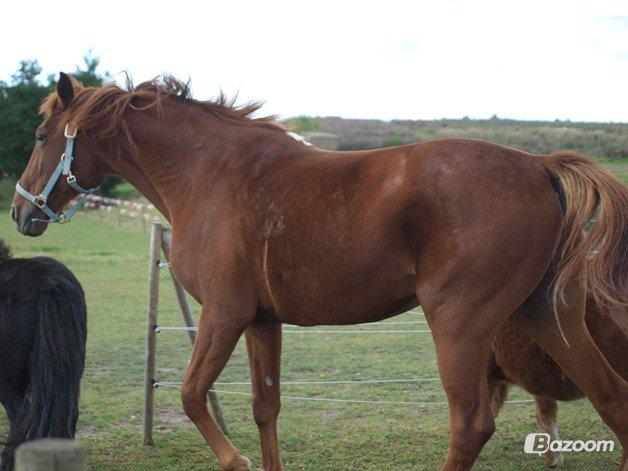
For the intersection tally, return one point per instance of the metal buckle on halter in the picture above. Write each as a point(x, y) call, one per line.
point(71, 178)
point(70, 130)
point(40, 200)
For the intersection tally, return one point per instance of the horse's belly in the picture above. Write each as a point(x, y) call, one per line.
point(359, 307)
point(346, 290)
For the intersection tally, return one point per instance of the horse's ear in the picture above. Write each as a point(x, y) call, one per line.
point(65, 89)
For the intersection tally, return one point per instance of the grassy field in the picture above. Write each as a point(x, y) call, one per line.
point(111, 262)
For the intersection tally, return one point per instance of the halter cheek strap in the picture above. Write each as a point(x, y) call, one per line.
point(64, 167)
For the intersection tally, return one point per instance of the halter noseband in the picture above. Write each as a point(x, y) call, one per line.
point(62, 168)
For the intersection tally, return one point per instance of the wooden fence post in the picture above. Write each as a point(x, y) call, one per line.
point(51, 455)
point(188, 318)
point(151, 334)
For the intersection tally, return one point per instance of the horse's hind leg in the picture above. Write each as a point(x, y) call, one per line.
point(463, 328)
point(465, 299)
point(581, 360)
point(547, 418)
point(263, 341)
point(462, 363)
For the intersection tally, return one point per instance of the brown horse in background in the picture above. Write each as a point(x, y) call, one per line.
point(267, 230)
point(517, 359)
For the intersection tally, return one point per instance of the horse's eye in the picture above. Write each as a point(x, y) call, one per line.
point(40, 137)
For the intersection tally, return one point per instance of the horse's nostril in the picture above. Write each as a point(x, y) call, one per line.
point(26, 226)
point(13, 213)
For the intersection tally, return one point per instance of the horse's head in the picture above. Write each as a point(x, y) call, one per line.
point(59, 167)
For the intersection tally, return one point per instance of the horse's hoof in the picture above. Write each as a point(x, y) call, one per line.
point(241, 463)
point(553, 460)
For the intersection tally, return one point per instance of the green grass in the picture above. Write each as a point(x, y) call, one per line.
point(111, 263)
point(7, 190)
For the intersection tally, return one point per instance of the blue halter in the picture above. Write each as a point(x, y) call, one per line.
point(62, 168)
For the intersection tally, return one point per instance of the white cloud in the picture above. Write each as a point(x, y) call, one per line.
point(394, 59)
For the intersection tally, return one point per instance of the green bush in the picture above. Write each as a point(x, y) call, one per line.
point(123, 190)
point(395, 139)
point(7, 189)
point(302, 124)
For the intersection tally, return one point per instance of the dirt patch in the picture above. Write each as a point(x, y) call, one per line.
point(330, 414)
point(86, 431)
point(170, 418)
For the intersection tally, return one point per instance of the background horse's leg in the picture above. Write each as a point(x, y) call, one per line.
point(547, 418)
point(581, 360)
point(498, 391)
point(263, 341)
point(213, 346)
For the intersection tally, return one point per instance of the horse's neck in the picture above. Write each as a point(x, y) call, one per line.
point(130, 169)
point(173, 149)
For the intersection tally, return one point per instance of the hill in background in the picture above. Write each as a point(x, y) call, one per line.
point(600, 140)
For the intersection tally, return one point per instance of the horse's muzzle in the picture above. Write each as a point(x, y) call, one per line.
point(29, 219)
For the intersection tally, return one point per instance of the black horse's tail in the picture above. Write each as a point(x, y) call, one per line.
point(56, 362)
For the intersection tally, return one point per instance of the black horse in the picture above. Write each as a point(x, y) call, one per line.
point(43, 330)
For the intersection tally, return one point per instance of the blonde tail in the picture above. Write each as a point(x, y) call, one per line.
point(594, 237)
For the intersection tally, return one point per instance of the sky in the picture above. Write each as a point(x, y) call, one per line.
point(390, 59)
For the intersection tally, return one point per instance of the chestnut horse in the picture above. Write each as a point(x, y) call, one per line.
point(268, 230)
point(517, 359)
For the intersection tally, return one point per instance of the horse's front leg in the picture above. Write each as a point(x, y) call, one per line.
point(263, 341)
point(221, 324)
